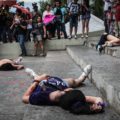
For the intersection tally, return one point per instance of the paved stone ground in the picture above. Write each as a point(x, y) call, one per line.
point(14, 84)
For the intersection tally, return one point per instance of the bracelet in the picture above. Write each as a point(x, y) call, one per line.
point(36, 81)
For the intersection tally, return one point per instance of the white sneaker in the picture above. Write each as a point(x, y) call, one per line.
point(87, 70)
point(30, 72)
point(86, 36)
point(75, 36)
point(82, 36)
point(70, 37)
point(19, 60)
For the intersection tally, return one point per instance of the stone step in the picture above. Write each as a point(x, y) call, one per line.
point(13, 49)
point(105, 74)
point(112, 51)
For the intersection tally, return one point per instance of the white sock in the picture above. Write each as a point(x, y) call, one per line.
point(83, 75)
point(18, 60)
point(30, 72)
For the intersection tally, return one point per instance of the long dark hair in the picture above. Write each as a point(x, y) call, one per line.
point(87, 3)
point(75, 102)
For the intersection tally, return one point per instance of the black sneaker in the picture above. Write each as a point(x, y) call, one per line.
point(100, 49)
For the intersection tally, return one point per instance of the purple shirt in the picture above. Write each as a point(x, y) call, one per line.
point(40, 96)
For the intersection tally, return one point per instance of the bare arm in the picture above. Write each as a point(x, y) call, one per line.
point(44, 28)
point(94, 100)
point(41, 77)
point(24, 27)
point(28, 92)
point(95, 103)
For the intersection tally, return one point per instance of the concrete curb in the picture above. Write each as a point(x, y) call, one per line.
point(13, 49)
point(112, 51)
point(108, 91)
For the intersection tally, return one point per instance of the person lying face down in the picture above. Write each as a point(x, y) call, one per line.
point(9, 65)
point(50, 90)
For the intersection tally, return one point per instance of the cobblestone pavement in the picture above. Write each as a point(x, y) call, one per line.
point(13, 85)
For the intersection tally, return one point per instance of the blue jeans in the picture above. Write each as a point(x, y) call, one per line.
point(21, 40)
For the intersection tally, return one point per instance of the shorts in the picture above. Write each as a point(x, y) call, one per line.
point(7, 67)
point(74, 21)
point(38, 38)
point(86, 16)
point(56, 83)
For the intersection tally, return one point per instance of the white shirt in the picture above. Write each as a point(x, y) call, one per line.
point(47, 13)
point(74, 8)
point(107, 4)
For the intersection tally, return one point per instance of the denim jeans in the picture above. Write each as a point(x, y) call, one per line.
point(63, 29)
point(21, 40)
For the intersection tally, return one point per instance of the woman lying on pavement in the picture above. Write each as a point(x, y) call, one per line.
point(49, 90)
point(9, 65)
point(107, 40)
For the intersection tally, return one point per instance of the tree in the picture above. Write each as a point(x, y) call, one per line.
point(98, 8)
point(43, 5)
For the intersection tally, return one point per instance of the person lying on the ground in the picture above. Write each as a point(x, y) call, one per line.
point(9, 65)
point(107, 40)
point(48, 90)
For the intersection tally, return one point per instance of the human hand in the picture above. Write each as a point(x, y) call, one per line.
point(68, 89)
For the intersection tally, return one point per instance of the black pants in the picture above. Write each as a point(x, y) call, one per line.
point(102, 40)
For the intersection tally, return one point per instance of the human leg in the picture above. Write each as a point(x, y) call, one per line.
point(71, 28)
point(35, 76)
point(102, 40)
point(42, 49)
point(76, 26)
point(64, 30)
point(21, 39)
point(87, 27)
point(77, 82)
point(83, 28)
point(35, 47)
point(113, 40)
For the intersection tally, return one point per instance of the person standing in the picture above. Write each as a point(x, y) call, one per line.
point(117, 18)
point(40, 36)
point(21, 32)
point(74, 11)
point(107, 4)
point(48, 15)
point(85, 15)
point(60, 12)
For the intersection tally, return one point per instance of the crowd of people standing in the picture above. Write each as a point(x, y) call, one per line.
point(112, 17)
point(42, 26)
point(51, 23)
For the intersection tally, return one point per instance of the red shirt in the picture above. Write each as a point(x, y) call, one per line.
point(117, 13)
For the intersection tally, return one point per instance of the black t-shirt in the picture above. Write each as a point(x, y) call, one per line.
point(20, 30)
